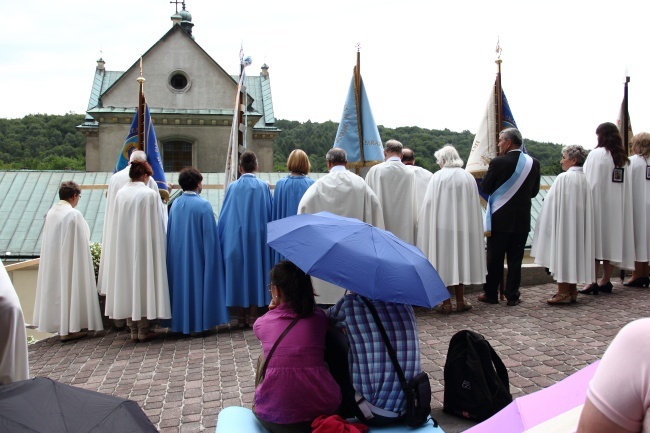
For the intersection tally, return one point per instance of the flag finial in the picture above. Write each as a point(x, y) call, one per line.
point(358, 46)
point(498, 50)
point(141, 79)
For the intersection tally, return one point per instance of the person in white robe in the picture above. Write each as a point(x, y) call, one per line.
point(14, 362)
point(66, 290)
point(564, 234)
point(422, 176)
point(607, 170)
point(640, 182)
point(394, 185)
point(137, 287)
point(343, 193)
point(450, 228)
point(117, 181)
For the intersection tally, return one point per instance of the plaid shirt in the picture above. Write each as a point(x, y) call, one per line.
point(373, 374)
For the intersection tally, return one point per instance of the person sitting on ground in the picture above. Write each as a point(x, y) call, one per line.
point(376, 386)
point(297, 387)
point(618, 398)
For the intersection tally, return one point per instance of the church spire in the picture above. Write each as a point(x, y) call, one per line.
point(183, 18)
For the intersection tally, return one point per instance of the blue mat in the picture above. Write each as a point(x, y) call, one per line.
point(235, 419)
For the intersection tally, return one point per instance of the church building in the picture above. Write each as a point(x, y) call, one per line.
point(191, 100)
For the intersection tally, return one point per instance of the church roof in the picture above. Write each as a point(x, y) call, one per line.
point(30, 194)
point(257, 87)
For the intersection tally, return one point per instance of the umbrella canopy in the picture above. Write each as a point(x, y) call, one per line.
point(553, 409)
point(358, 257)
point(44, 405)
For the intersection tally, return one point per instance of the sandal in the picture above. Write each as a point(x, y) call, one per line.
point(442, 309)
point(560, 299)
point(463, 306)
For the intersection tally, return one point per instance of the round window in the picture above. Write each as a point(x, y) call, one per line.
point(179, 81)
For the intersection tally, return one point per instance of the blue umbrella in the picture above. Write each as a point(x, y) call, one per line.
point(358, 257)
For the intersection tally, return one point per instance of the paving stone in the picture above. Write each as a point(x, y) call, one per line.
point(184, 382)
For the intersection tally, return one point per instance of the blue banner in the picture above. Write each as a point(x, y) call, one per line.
point(347, 136)
point(153, 153)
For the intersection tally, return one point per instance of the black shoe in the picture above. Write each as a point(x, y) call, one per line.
point(591, 290)
point(607, 287)
point(513, 302)
point(639, 282)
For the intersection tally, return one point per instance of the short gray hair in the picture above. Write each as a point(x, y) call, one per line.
point(512, 134)
point(336, 156)
point(448, 156)
point(575, 152)
point(393, 146)
point(138, 155)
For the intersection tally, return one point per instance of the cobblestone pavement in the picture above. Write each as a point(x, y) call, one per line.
point(183, 382)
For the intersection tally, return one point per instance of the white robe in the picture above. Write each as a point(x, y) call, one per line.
point(346, 194)
point(422, 179)
point(394, 184)
point(450, 228)
point(640, 207)
point(137, 272)
point(612, 206)
point(118, 180)
point(14, 363)
point(564, 234)
point(66, 291)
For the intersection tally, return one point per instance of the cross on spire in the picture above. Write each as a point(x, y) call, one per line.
point(177, 2)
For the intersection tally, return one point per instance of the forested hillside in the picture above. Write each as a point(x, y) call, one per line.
point(317, 138)
point(42, 142)
point(49, 142)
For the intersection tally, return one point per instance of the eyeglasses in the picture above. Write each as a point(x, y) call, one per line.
point(269, 287)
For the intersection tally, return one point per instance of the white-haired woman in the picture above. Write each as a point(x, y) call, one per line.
point(640, 180)
point(450, 228)
point(564, 233)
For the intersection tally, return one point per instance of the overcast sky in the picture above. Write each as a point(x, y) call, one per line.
point(424, 63)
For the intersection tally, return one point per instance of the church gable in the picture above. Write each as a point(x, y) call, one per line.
point(179, 74)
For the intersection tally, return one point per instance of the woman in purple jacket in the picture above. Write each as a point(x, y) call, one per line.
point(297, 386)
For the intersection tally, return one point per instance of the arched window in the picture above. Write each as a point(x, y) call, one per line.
point(176, 154)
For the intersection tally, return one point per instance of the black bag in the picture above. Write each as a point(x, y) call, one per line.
point(418, 390)
point(476, 381)
point(418, 400)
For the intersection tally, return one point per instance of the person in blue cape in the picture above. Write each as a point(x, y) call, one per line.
point(290, 189)
point(242, 224)
point(194, 263)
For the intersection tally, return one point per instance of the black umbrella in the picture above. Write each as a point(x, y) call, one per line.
point(44, 405)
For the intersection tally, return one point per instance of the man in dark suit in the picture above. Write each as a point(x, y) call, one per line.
point(510, 214)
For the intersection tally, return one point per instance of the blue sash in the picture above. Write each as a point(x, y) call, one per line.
point(506, 191)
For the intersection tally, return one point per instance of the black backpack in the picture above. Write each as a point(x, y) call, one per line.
point(476, 381)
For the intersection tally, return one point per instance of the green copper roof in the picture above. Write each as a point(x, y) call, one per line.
point(30, 194)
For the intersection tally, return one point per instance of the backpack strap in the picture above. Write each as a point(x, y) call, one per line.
point(500, 367)
point(275, 345)
point(391, 351)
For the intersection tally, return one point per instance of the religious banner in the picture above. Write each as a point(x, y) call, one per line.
point(239, 119)
point(623, 122)
point(484, 147)
point(358, 134)
point(150, 146)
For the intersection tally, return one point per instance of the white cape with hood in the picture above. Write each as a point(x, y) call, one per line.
point(66, 292)
point(346, 194)
point(564, 233)
point(450, 228)
point(137, 270)
point(118, 180)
